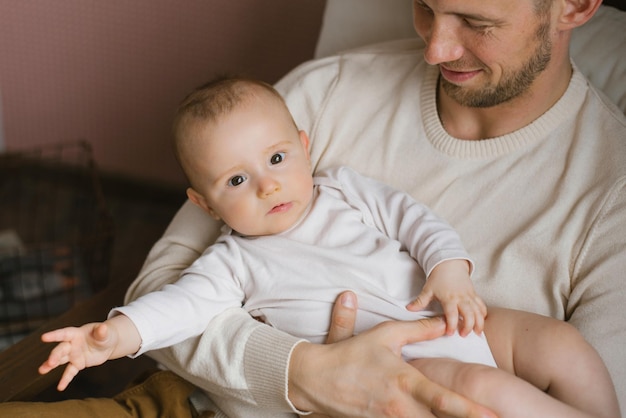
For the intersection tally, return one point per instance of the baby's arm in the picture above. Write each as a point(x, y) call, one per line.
point(449, 283)
point(90, 345)
point(434, 244)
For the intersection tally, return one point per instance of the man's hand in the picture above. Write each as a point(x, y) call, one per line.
point(365, 375)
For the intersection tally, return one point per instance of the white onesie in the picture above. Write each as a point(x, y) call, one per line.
point(358, 235)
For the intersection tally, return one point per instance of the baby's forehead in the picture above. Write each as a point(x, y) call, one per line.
point(198, 126)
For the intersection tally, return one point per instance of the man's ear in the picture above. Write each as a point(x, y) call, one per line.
point(576, 13)
point(201, 202)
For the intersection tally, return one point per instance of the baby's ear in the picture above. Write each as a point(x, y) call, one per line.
point(304, 140)
point(201, 202)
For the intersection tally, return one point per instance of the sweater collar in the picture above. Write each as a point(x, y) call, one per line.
point(564, 109)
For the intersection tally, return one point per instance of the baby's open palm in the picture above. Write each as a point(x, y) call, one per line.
point(87, 346)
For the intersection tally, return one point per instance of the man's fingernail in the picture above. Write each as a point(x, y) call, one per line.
point(347, 300)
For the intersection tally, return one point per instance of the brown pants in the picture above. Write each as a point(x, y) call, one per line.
point(162, 395)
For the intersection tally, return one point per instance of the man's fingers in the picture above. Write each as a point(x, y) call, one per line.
point(450, 403)
point(400, 333)
point(445, 401)
point(343, 318)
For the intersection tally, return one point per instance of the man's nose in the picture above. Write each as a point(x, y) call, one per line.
point(442, 43)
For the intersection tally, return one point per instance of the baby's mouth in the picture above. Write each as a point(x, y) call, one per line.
point(282, 207)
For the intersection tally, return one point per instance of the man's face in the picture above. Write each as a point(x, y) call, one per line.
point(488, 51)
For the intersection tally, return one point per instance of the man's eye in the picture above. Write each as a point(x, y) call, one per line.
point(277, 158)
point(423, 6)
point(236, 180)
point(482, 27)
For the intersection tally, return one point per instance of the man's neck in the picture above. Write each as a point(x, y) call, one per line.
point(473, 123)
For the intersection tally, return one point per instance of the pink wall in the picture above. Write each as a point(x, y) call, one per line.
point(113, 71)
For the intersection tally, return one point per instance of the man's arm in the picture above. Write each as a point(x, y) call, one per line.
point(598, 297)
point(189, 233)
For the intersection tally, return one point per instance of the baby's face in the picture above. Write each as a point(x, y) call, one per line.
point(252, 169)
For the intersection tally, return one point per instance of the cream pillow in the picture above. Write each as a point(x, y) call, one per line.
point(598, 48)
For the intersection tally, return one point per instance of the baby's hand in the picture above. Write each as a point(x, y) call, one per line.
point(89, 345)
point(450, 284)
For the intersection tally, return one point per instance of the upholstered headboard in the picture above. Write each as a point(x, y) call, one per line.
point(598, 48)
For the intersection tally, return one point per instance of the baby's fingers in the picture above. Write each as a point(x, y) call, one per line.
point(469, 318)
point(58, 356)
point(46, 366)
point(58, 335)
point(451, 312)
point(473, 312)
point(68, 375)
point(481, 313)
point(421, 302)
point(479, 324)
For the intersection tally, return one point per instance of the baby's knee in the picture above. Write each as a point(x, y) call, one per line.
point(477, 380)
point(469, 379)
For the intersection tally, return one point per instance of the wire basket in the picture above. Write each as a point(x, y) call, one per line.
point(56, 235)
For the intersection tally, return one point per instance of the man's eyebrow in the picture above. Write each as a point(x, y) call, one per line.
point(479, 17)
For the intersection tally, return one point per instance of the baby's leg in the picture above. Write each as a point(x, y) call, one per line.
point(554, 357)
point(505, 394)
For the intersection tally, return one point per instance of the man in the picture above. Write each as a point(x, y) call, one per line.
point(494, 129)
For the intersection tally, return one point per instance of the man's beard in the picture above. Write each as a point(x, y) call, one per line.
point(512, 84)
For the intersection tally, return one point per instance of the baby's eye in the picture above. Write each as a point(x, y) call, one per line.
point(277, 158)
point(236, 180)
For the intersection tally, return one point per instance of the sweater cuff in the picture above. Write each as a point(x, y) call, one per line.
point(266, 364)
